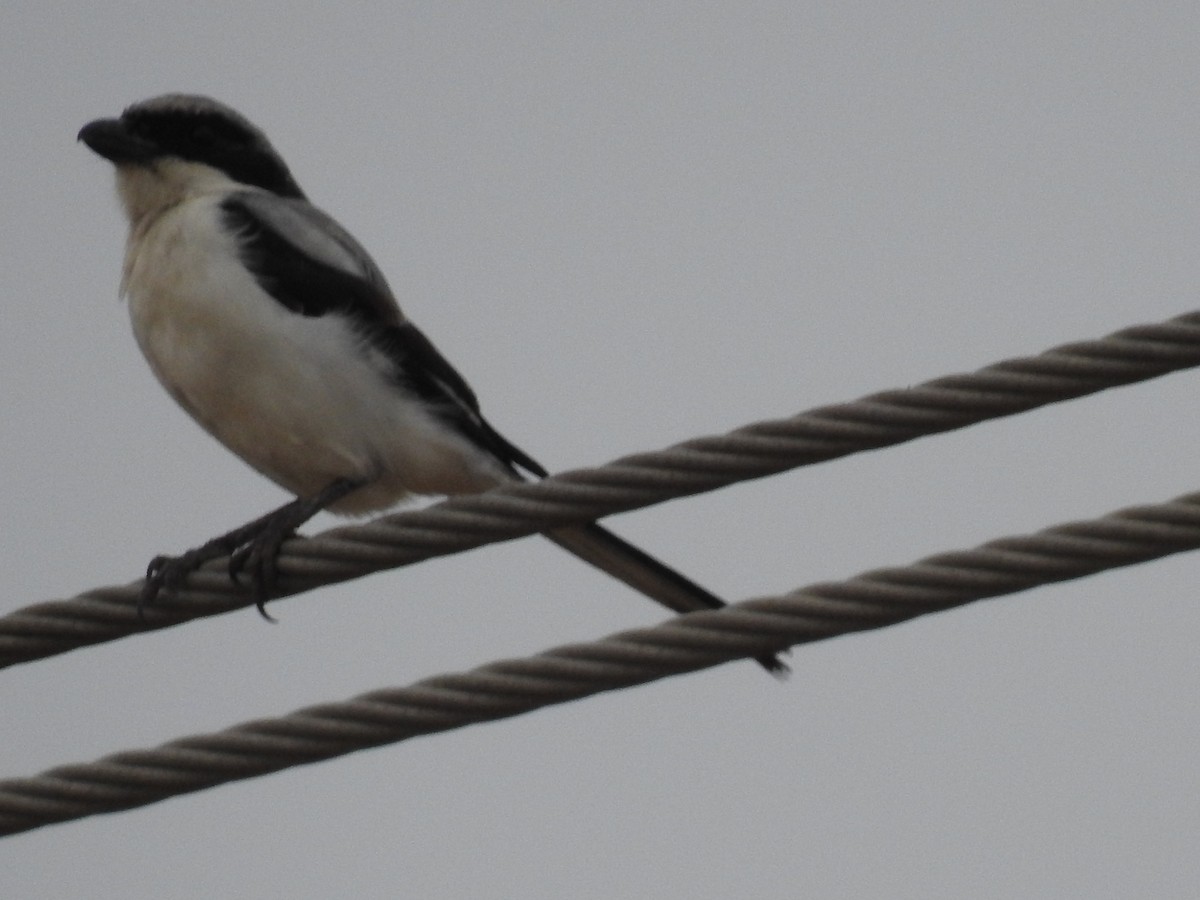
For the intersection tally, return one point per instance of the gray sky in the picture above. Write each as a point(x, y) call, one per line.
point(629, 225)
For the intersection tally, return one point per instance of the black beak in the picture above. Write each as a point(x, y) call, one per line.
point(109, 138)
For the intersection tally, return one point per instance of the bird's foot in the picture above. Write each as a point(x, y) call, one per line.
point(254, 557)
point(166, 574)
point(253, 549)
point(258, 558)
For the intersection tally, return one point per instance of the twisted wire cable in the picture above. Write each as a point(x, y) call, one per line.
point(683, 644)
point(704, 464)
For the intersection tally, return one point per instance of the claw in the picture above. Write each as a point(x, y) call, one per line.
point(253, 549)
point(237, 562)
point(167, 573)
point(155, 576)
point(256, 559)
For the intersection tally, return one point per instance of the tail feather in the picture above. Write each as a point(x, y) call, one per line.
point(642, 572)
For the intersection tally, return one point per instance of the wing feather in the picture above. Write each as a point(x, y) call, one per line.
point(313, 267)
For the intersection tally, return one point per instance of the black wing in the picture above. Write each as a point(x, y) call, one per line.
point(312, 266)
point(306, 260)
point(423, 368)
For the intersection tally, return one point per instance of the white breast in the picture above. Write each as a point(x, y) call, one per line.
point(298, 398)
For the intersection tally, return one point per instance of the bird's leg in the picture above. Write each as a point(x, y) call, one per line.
point(259, 554)
point(253, 548)
point(166, 573)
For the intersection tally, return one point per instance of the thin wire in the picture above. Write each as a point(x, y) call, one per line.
point(704, 464)
point(683, 644)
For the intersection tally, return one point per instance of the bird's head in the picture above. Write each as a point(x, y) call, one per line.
point(177, 144)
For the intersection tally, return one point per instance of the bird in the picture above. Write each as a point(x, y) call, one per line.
point(275, 330)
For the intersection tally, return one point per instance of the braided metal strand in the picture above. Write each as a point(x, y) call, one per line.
point(883, 419)
point(686, 643)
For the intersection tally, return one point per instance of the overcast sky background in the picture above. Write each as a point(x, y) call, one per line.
point(628, 225)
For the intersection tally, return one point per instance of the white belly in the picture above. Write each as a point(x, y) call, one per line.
point(295, 397)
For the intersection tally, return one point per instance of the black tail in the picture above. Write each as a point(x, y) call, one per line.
point(642, 572)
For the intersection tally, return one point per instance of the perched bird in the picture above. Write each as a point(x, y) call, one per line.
point(272, 327)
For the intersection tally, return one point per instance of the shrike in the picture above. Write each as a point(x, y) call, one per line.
point(270, 324)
